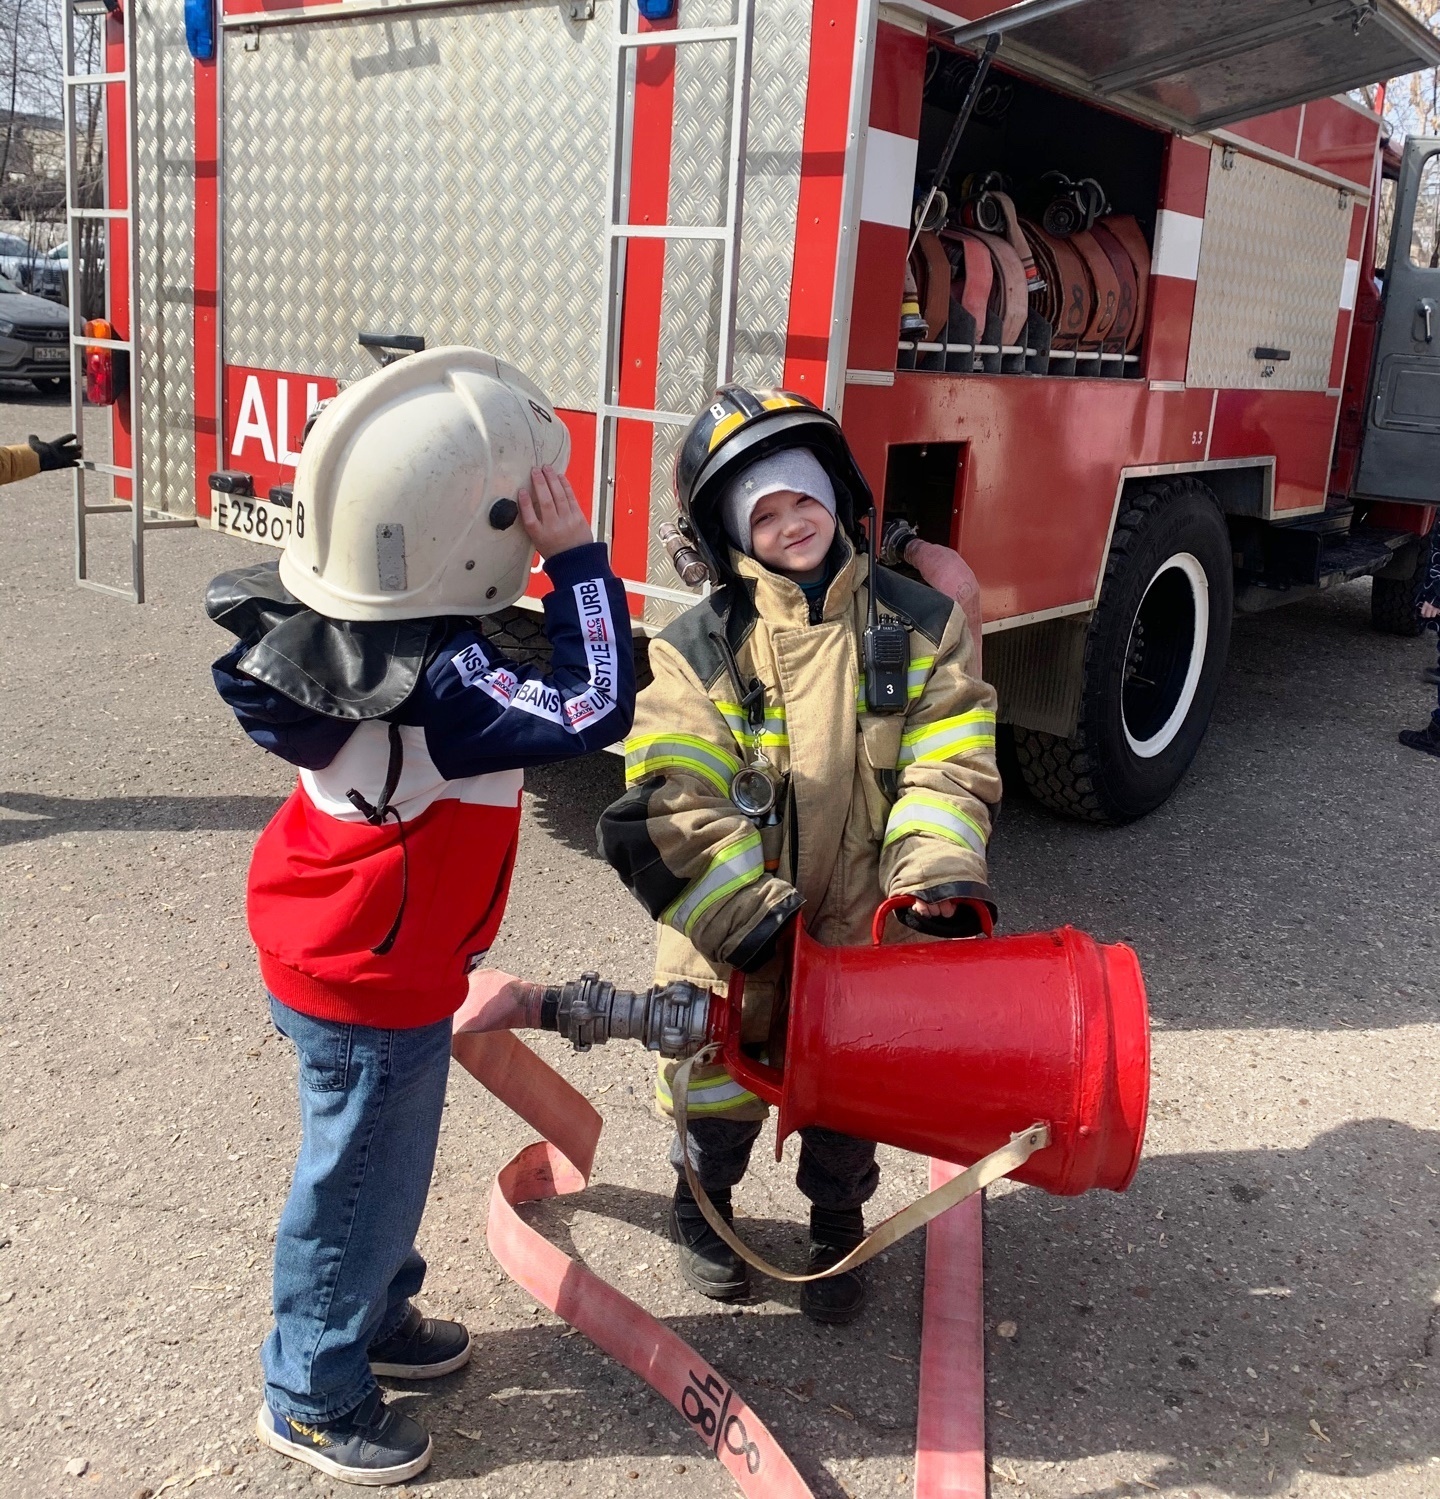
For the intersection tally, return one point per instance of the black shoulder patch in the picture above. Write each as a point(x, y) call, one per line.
point(730, 609)
point(920, 606)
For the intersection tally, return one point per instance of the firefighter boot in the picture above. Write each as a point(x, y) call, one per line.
point(707, 1263)
point(1426, 740)
point(833, 1234)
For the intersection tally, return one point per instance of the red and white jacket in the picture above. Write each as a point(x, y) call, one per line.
point(377, 921)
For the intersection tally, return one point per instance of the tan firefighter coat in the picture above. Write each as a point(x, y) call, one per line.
point(871, 805)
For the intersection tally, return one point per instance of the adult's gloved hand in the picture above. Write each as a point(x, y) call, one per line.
point(59, 452)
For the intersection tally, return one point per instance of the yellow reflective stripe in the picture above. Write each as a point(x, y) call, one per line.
point(712, 1097)
point(774, 731)
point(949, 738)
point(724, 427)
point(919, 812)
point(652, 754)
point(733, 867)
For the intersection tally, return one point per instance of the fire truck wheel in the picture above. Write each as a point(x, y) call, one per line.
point(1154, 657)
point(1395, 602)
point(520, 633)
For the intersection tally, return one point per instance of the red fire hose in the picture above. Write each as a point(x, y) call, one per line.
point(950, 1436)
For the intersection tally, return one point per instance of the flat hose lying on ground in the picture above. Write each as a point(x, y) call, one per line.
point(950, 1438)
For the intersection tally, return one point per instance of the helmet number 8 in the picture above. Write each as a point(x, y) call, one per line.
point(299, 518)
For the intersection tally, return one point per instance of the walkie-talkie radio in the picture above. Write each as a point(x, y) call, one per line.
point(887, 649)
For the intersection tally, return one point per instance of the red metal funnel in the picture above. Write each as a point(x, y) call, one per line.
point(948, 1048)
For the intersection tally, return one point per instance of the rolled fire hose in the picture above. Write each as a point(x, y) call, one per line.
point(950, 1449)
point(974, 280)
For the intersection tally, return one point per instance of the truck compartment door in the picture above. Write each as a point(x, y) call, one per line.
point(1203, 64)
point(1400, 456)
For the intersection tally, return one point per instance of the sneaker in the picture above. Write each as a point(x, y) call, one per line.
point(374, 1445)
point(707, 1263)
point(1426, 740)
point(421, 1348)
point(833, 1234)
point(1431, 674)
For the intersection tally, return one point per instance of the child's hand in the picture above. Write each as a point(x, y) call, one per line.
point(551, 514)
point(1429, 611)
point(942, 908)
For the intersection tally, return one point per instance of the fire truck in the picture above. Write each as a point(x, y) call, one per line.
point(1131, 303)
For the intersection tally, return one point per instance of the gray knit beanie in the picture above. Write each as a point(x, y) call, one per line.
point(796, 469)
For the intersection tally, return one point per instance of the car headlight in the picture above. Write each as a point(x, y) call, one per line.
point(6, 329)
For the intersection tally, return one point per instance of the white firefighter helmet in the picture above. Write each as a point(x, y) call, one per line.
point(404, 501)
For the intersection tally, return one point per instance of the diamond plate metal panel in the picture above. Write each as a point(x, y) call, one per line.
point(690, 304)
point(1272, 262)
point(442, 175)
point(165, 231)
point(772, 187)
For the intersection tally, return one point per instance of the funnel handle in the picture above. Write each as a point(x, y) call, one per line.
point(762, 1080)
point(976, 1178)
point(899, 902)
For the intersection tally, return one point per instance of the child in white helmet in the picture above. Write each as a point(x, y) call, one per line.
point(421, 495)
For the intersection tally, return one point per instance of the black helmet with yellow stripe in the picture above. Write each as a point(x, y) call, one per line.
point(737, 427)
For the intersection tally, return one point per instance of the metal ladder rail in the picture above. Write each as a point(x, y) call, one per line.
point(618, 232)
point(95, 11)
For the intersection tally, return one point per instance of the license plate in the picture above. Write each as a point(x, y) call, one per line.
point(52, 356)
point(257, 520)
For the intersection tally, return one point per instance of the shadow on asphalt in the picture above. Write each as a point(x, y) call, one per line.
point(567, 799)
point(45, 816)
point(1208, 1321)
point(1221, 1306)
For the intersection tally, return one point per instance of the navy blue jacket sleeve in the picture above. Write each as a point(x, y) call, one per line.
point(482, 713)
point(274, 722)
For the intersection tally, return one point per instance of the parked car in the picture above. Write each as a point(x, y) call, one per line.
point(50, 274)
point(34, 339)
point(19, 260)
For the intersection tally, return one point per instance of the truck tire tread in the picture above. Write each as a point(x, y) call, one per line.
point(1061, 773)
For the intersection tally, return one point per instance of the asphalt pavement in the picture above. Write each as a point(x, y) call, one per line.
point(1257, 1317)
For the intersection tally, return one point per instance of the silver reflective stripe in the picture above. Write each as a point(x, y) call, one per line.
point(735, 866)
point(949, 738)
point(918, 813)
point(653, 754)
point(772, 731)
point(709, 1097)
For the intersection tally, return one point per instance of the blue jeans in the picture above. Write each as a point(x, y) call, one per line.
point(345, 1259)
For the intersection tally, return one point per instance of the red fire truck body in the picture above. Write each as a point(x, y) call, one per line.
point(634, 209)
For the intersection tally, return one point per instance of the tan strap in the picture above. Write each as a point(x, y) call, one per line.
point(974, 1179)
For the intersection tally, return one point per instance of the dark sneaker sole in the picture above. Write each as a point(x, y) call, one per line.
point(368, 1477)
point(423, 1371)
point(1418, 742)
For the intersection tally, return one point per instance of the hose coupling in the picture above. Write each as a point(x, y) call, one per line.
point(588, 1011)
